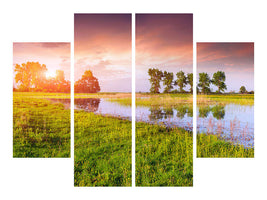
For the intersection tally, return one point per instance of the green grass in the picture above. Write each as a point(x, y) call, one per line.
point(164, 156)
point(40, 128)
point(211, 146)
point(241, 99)
point(102, 150)
point(41, 95)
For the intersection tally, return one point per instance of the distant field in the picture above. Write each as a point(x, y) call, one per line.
point(242, 99)
point(40, 128)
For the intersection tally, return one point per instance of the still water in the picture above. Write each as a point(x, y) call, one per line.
point(232, 122)
point(181, 116)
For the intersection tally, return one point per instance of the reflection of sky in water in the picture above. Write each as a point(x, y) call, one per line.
point(110, 108)
point(237, 124)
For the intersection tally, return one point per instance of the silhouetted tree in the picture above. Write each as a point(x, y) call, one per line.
point(189, 79)
point(242, 90)
point(167, 81)
point(87, 84)
point(219, 80)
point(155, 78)
point(181, 80)
point(204, 83)
point(30, 76)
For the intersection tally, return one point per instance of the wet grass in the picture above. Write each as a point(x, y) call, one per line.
point(40, 128)
point(164, 156)
point(211, 146)
point(102, 155)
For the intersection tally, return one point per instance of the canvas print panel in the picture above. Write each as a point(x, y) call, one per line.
point(41, 99)
point(103, 143)
point(225, 100)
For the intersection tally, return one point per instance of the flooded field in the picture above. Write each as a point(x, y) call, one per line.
point(232, 122)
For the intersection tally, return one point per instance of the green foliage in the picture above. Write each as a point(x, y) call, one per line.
point(242, 90)
point(211, 146)
point(155, 77)
point(219, 80)
point(102, 151)
point(190, 81)
point(204, 83)
point(164, 156)
point(181, 80)
point(218, 112)
point(87, 84)
point(40, 128)
point(167, 81)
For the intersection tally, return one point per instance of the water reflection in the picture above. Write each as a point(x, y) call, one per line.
point(218, 111)
point(88, 104)
point(232, 122)
point(179, 116)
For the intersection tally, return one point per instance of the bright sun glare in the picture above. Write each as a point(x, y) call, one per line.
point(50, 74)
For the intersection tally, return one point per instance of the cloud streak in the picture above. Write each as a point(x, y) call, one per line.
point(235, 59)
point(164, 41)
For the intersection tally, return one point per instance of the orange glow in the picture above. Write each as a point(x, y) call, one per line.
point(50, 74)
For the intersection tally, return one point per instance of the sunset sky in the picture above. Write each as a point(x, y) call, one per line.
point(235, 59)
point(55, 55)
point(102, 43)
point(163, 41)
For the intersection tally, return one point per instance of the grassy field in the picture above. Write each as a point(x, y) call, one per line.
point(102, 150)
point(164, 156)
point(211, 146)
point(241, 99)
point(40, 128)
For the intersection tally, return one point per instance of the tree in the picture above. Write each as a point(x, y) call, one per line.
point(155, 78)
point(190, 81)
point(181, 80)
point(218, 80)
point(242, 90)
point(87, 84)
point(167, 81)
point(30, 76)
point(204, 83)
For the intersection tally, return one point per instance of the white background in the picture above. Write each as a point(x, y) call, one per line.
point(52, 21)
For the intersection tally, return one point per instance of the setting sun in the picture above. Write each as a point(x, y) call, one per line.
point(50, 74)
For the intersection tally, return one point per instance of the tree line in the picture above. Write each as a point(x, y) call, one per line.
point(31, 77)
point(156, 76)
point(203, 86)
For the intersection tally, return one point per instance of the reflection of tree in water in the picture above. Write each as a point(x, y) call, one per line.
point(190, 111)
point(155, 113)
point(218, 112)
point(89, 104)
point(168, 113)
point(181, 111)
point(203, 111)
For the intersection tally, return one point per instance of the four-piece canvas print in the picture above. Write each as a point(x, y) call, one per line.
point(164, 88)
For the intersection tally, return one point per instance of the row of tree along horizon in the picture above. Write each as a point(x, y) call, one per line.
point(31, 77)
point(203, 86)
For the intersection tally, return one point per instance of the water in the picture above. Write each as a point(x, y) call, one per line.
point(232, 122)
point(181, 116)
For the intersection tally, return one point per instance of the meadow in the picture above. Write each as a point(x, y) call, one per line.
point(40, 128)
point(102, 150)
point(164, 156)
